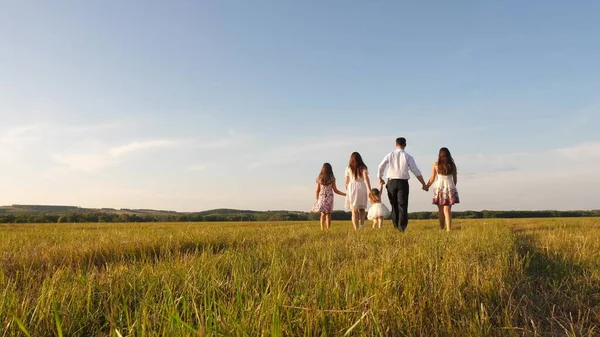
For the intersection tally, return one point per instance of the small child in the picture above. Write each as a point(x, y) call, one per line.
point(324, 194)
point(378, 212)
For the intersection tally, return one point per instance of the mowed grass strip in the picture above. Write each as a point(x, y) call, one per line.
point(488, 278)
point(561, 295)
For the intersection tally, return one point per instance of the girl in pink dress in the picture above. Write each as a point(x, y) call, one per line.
point(324, 192)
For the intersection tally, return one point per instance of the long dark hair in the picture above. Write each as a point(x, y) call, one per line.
point(445, 163)
point(357, 165)
point(326, 176)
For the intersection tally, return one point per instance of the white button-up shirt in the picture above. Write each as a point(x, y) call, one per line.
point(398, 164)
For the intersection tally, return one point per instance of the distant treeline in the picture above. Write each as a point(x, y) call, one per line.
point(509, 214)
point(71, 215)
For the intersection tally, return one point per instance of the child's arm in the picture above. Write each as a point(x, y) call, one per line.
point(335, 189)
point(317, 191)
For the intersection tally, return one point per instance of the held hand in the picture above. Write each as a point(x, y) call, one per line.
point(425, 188)
point(381, 182)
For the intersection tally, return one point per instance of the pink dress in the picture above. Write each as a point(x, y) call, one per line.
point(324, 203)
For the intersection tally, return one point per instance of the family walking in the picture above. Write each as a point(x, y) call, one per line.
point(397, 164)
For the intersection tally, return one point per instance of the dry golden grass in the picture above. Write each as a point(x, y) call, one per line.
point(488, 278)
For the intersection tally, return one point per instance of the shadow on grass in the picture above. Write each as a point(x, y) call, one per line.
point(557, 297)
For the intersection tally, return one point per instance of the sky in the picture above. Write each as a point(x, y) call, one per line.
point(195, 105)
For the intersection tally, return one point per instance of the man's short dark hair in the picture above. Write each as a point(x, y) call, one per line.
point(401, 141)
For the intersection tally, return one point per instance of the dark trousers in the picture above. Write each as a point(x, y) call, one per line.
point(398, 193)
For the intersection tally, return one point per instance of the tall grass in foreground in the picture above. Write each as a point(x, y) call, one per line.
point(489, 278)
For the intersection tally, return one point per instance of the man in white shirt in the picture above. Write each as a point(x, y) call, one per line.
point(398, 163)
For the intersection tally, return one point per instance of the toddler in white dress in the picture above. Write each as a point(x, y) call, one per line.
point(378, 212)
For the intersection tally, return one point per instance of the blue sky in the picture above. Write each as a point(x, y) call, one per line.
point(192, 105)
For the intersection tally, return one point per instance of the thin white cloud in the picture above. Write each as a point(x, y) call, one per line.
point(14, 140)
point(139, 146)
point(231, 140)
point(309, 148)
point(97, 162)
point(561, 178)
point(464, 53)
point(585, 115)
point(20, 136)
point(44, 129)
point(483, 164)
point(17, 134)
point(86, 128)
point(200, 167)
point(86, 162)
point(581, 152)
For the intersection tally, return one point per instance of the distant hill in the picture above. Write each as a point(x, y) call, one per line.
point(70, 214)
point(52, 209)
point(17, 209)
point(51, 213)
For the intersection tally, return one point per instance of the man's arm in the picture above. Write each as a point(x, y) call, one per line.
point(415, 170)
point(423, 183)
point(382, 167)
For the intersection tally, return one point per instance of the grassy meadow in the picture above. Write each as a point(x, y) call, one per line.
point(511, 277)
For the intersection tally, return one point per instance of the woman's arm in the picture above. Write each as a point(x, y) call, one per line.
point(346, 181)
point(433, 174)
point(455, 177)
point(335, 189)
point(367, 180)
point(317, 191)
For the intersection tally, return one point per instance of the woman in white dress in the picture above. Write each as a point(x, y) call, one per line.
point(358, 186)
point(445, 194)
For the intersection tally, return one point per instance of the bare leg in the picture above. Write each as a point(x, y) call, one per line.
point(322, 221)
point(355, 218)
point(361, 213)
point(380, 222)
point(328, 220)
point(375, 222)
point(441, 216)
point(448, 215)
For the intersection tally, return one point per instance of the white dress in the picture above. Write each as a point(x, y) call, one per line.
point(444, 191)
point(378, 210)
point(356, 194)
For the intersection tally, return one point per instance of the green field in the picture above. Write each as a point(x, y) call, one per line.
point(488, 278)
